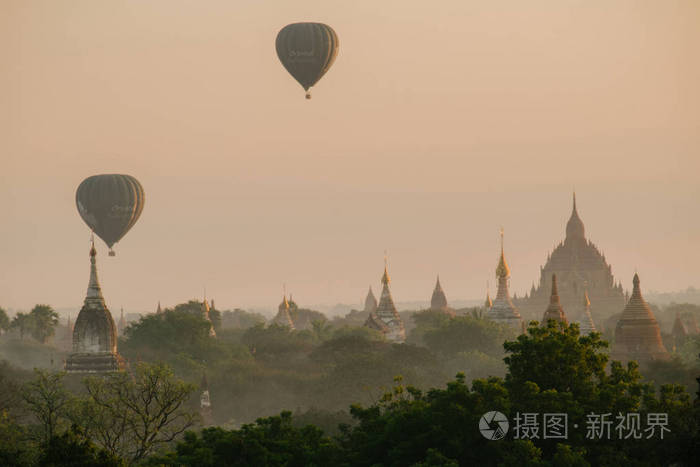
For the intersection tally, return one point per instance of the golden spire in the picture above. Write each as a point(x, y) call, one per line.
point(502, 270)
point(385, 278)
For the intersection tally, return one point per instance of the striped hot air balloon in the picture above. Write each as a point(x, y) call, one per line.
point(307, 51)
point(110, 204)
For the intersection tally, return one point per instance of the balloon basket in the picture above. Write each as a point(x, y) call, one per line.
point(112, 253)
point(308, 95)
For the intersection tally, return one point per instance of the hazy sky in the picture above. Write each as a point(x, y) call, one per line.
point(438, 123)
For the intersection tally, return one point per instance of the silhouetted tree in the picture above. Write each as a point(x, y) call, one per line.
point(44, 320)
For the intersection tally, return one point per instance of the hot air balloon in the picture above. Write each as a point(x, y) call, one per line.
point(307, 51)
point(110, 205)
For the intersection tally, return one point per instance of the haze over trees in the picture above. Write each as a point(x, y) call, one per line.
point(368, 401)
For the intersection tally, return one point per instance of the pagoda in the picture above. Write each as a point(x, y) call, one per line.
point(637, 334)
point(554, 311)
point(283, 317)
point(205, 410)
point(438, 301)
point(206, 316)
point(94, 332)
point(502, 310)
point(121, 325)
point(585, 321)
point(370, 302)
point(385, 318)
point(579, 267)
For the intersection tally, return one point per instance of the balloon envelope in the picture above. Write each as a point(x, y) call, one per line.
point(307, 51)
point(110, 205)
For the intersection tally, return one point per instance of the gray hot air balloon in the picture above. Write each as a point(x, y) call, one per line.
point(307, 51)
point(110, 205)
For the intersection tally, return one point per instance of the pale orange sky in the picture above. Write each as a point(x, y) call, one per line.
point(438, 123)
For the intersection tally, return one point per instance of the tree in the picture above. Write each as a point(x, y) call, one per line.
point(74, 448)
point(4, 321)
point(48, 399)
point(271, 441)
point(138, 411)
point(556, 357)
point(464, 334)
point(44, 320)
point(23, 323)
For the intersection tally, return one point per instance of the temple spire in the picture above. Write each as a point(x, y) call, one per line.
point(586, 324)
point(574, 227)
point(502, 309)
point(488, 303)
point(386, 280)
point(94, 292)
point(554, 310)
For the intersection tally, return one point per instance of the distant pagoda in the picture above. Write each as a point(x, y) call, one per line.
point(579, 266)
point(488, 303)
point(502, 310)
point(585, 320)
point(385, 318)
point(679, 331)
point(637, 334)
point(554, 310)
point(283, 317)
point(121, 325)
point(205, 314)
point(370, 302)
point(94, 332)
point(438, 301)
point(205, 410)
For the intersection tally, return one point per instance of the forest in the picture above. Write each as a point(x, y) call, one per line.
point(333, 392)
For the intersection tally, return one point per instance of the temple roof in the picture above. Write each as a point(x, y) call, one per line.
point(438, 301)
point(554, 310)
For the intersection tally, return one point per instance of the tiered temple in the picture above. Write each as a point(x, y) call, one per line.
point(579, 266)
point(283, 317)
point(94, 332)
point(385, 318)
point(502, 310)
point(637, 334)
point(554, 310)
